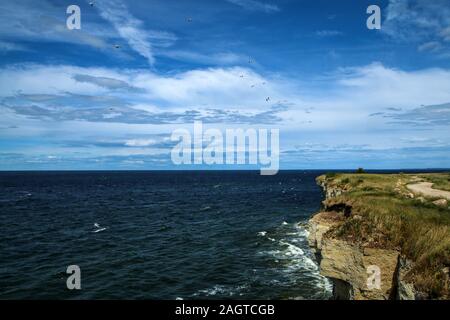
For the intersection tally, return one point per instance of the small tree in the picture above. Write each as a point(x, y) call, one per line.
point(360, 170)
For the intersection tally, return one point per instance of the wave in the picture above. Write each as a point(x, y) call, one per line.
point(221, 290)
point(294, 261)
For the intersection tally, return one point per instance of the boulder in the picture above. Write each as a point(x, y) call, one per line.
point(441, 203)
point(350, 268)
point(405, 289)
point(318, 225)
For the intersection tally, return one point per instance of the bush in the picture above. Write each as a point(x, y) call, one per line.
point(360, 170)
point(330, 175)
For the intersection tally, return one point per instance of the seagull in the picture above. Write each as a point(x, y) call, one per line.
point(242, 75)
point(189, 19)
point(267, 99)
point(117, 46)
point(250, 61)
point(99, 229)
point(91, 3)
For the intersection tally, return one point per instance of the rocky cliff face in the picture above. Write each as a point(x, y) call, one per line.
point(329, 190)
point(352, 267)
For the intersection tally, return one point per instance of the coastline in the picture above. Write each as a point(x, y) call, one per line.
point(350, 239)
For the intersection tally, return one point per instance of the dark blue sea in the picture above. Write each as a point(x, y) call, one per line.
point(166, 235)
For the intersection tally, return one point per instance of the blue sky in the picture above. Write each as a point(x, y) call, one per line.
point(342, 96)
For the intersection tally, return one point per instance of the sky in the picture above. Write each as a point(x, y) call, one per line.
point(108, 96)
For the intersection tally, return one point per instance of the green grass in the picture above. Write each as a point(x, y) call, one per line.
point(418, 228)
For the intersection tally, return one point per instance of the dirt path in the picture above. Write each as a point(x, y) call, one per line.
point(425, 189)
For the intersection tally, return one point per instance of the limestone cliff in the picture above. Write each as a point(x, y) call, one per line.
point(350, 264)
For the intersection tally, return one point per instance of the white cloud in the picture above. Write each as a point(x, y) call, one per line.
point(24, 20)
point(140, 142)
point(129, 28)
point(336, 113)
point(40, 79)
point(240, 88)
point(345, 102)
point(376, 85)
point(210, 87)
point(432, 46)
point(9, 46)
point(445, 34)
point(328, 33)
point(419, 21)
point(223, 58)
point(254, 5)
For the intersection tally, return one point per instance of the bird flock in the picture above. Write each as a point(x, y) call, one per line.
point(189, 20)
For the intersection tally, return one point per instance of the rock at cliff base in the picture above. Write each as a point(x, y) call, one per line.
point(351, 264)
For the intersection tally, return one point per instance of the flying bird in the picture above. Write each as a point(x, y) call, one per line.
point(189, 19)
point(91, 3)
point(267, 99)
point(117, 46)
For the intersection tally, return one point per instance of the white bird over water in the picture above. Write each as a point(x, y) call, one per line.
point(99, 228)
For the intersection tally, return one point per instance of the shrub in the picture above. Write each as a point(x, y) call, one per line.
point(330, 175)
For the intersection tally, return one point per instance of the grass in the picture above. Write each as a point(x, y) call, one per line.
point(392, 219)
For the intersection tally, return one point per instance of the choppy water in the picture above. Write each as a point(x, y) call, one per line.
point(168, 235)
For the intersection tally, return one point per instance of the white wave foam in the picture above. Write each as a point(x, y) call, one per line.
point(98, 228)
point(221, 290)
point(292, 250)
point(292, 257)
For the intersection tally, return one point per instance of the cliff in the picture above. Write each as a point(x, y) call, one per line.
point(359, 250)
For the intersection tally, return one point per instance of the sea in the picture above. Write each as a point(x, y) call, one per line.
point(159, 235)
